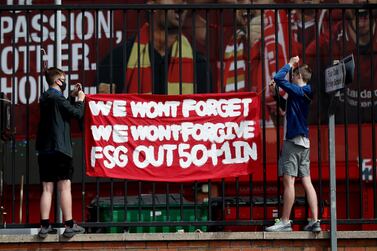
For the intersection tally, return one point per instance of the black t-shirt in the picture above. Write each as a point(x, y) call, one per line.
point(116, 72)
point(54, 133)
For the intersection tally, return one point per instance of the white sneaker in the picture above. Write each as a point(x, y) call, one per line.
point(280, 226)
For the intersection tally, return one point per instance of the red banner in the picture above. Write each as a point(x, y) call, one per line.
point(172, 138)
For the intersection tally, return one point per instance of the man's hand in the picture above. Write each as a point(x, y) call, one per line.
point(81, 95)
point(77, 88)
point(293, 62)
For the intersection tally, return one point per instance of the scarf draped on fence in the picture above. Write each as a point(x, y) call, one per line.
point(173, 75)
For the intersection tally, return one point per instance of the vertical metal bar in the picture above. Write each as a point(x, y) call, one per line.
point(319, 145)
point(209, 200)
point(96, 34)
point(223, 194)
point(125, 200)
point(263, 118)
point(70, 46)
point(237, 198)
point(345, 125)
point(373, 101)
point(58, 37)
point(304, 61)
point(111, 50)
point(151, 37)
point(221, 52)
point(154, 200)
point(55, 40)
point(166, 53)
point(27, 157)
point(330, 37)
point(12, 122)
point(139, 200)
point(167, 202)
point(83, 183)
point(41, 55)
point(181, 201)
point(196, 200)
point(276, 13)
point(359, 122)
point(112, 199)
point(290, 33)
point(289, 56)
point(248, 65)
point(124, 35)
point(111, 91)
point(303, 35)
point(2, 163)
point(138, 52)
point(235, 47)
point(69, 78)
point(97, 199)
point(194, 50)
point(332, 180)
point(332, 157)
point(278, 104)
point(251, 195)
point(180, 50)
point(207, 54)
point(97, 77)
point(58, 212)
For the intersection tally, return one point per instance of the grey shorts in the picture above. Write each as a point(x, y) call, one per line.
point(294, 160)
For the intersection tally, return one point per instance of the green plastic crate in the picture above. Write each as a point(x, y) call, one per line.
point(146, 213)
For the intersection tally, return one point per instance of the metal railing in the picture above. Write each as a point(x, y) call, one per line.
point(94, 37)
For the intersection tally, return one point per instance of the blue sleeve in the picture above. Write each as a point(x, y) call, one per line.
point(285, 84)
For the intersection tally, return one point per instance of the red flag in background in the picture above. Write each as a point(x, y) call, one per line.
point(272, 55)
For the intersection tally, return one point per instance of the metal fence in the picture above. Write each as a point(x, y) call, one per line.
point(97, 40)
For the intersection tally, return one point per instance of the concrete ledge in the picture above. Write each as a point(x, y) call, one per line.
point(188, 237)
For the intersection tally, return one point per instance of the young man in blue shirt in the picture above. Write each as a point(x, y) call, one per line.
point(295, 160)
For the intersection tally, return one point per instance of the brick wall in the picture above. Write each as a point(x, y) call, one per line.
point(253, 241)
point(234, 245)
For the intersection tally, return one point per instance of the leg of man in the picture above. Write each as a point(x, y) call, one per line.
point(71, 229)
point(45, 207)
point(64, 187)
point(284, 224)
point(289, 196)
point(46, 199)
point(312, 196)
point(314, 224)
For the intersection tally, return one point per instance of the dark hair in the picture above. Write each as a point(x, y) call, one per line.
point(305, 71)
point(51, 74)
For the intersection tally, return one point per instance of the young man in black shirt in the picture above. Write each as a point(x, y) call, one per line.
point(54, 148)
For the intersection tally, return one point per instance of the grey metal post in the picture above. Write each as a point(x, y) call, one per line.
point(332, 180)
point(334, 78)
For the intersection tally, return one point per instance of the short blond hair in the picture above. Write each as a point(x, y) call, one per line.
point(305, 71)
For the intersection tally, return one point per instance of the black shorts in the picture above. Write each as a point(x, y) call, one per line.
point(54, 167)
